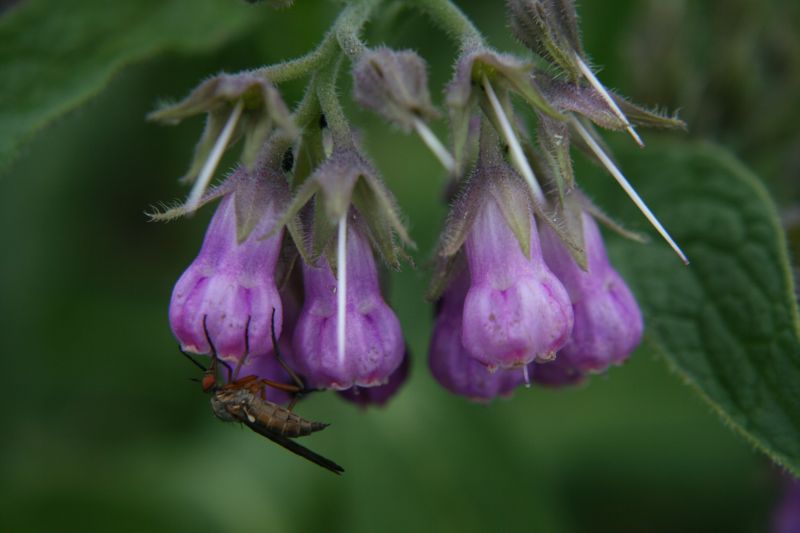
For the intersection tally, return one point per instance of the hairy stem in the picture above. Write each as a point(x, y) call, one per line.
point(343, 34)
point(302, 66)
point(452, 20)
point(349, 24)
point(331, 108)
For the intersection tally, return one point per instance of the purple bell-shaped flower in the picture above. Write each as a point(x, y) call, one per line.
point(516, 310)
point(608, 323)
point(373, 342)
point(230, 289)
point(451, 364)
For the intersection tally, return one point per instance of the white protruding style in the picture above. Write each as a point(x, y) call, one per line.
point(207, 172)
point(435, 145)
point(341, 288)
point(517, 155)
point(626, 186)
point(587, 72)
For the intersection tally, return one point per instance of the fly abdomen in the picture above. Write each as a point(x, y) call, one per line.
point(281, 420)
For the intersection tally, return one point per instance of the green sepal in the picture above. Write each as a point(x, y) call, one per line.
point(641, 116)
point(549, 28)
point(554, 140)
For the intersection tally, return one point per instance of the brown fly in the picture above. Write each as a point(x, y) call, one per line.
point(244, 400)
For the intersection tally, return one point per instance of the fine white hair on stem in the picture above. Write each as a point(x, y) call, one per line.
point(626, 186)
point(341, 288)
point(435, 145)
point(587, 72)
point(207, 172)
point(517, 155)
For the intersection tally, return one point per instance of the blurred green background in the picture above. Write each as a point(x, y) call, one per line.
point(102, 430)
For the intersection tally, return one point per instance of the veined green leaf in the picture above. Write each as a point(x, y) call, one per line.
point(728, 323)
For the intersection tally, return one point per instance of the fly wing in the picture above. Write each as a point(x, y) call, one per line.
point(293, 447)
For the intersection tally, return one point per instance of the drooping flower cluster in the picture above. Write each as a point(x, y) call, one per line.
point(305, 222)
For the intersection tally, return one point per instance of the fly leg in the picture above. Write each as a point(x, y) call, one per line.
point(281, 360)
point(299, 388)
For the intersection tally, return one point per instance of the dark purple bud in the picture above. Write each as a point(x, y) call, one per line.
point(608, 323)
point(516, 310)
point(451, 364)
point(393, 84)
point(556, 374)
point(374, 345)
point(230, 286)
point(787, 516)
point(380, 395)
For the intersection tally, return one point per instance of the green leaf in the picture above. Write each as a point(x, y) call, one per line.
point(728, 323)
point(56, 55)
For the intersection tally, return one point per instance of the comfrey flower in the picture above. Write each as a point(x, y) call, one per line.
point(515, 311)
point(229, 289)
point(608, 324)
point(346, 335)
point(373, 342)
point(451, 364)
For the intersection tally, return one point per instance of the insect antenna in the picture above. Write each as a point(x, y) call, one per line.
point(214, 357)
point(246, 348)
point(192, 359)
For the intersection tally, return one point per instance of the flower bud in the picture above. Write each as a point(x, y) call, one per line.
point(229, 290)
point(380, 395)
point(608, 323)
point(373, 344)
point(556, 374)
point(516, 310)
point(451, 364)
point(395, 85)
